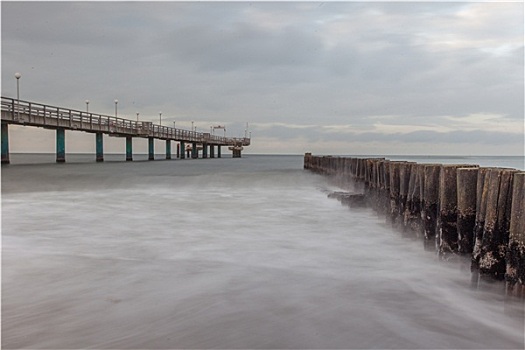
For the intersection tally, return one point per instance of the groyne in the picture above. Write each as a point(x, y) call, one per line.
point(460, 211)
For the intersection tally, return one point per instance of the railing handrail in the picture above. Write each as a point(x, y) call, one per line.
point(8, 104)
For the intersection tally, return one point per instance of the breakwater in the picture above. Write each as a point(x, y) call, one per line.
point(460, 211)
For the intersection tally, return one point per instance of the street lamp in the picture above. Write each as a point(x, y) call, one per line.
point(137, 116)
point(87, 106)
point(160, 118)
point(17, 76)
point(116, 101)
point(191, 126)
point(174, 124)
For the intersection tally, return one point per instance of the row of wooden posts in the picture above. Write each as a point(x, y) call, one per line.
point(457, 210)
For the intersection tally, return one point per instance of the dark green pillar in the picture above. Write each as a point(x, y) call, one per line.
point(100, 146)
point(178, 150)
point(5, 143)
point(204, 150)
point(218, 151)
point(151, 148)
point(129, 148)
point(168, 149)
point(212, 151)
point(182, 150)
point(194, 151)
point(61, 145)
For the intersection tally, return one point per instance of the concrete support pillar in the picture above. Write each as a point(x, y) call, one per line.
point(100, 146)
point(168, 149)
point(178, 150)
point(129, 148)
point(212, 151)
point(151, 148)
point(61, 145)
point(5, 143)
point(194, 151)
point(182, 150)
point(218, 151)
point(205, 150)
point(236, 153)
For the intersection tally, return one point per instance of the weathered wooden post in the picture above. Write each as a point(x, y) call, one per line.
point(376, 184)
point(467, 179)
point(447, 212)
point(412, 215)
point(447, 219)
point(385, 188)
point(405, 169)
point(430, 204)
point(495, 238)
point(368, 182)
point(393, 218)
point(515, 269)
point(307, 161)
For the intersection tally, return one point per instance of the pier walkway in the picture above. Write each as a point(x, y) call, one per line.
point(60, 119)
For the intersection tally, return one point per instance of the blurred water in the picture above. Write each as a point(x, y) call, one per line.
point(223, 253)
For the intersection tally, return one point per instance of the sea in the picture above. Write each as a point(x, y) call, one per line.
point(244, 253)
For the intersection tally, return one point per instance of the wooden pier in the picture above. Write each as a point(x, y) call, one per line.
point(459, 211)
point(60, 119)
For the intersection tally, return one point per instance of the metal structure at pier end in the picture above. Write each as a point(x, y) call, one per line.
point(460, 211)
point(27, 113)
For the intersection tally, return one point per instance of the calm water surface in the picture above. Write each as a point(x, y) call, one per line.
point(223, 253)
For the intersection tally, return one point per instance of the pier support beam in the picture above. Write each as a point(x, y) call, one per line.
point(100, 146)
point(194, 151)
point(129, 148)
point(151, 148)
point(61, 145)
point(168, 149)
point(212, 151)
point(218, 151)
point(5, 143)
point(182, 150)
point(178, 150)
point(236, 153)
point(204, 150)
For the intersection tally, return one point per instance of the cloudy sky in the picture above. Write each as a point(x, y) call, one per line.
point(328, 78)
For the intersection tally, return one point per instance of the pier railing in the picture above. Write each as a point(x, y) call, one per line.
point(36, 114)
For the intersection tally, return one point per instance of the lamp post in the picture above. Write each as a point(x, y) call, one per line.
point(160, 118)
point(137, 116)
point(17, 76)
point(192, 126)
point(87, 106)
point(116, 102)
point(174, 124)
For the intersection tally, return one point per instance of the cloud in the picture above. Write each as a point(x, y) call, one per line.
point(394, 72)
